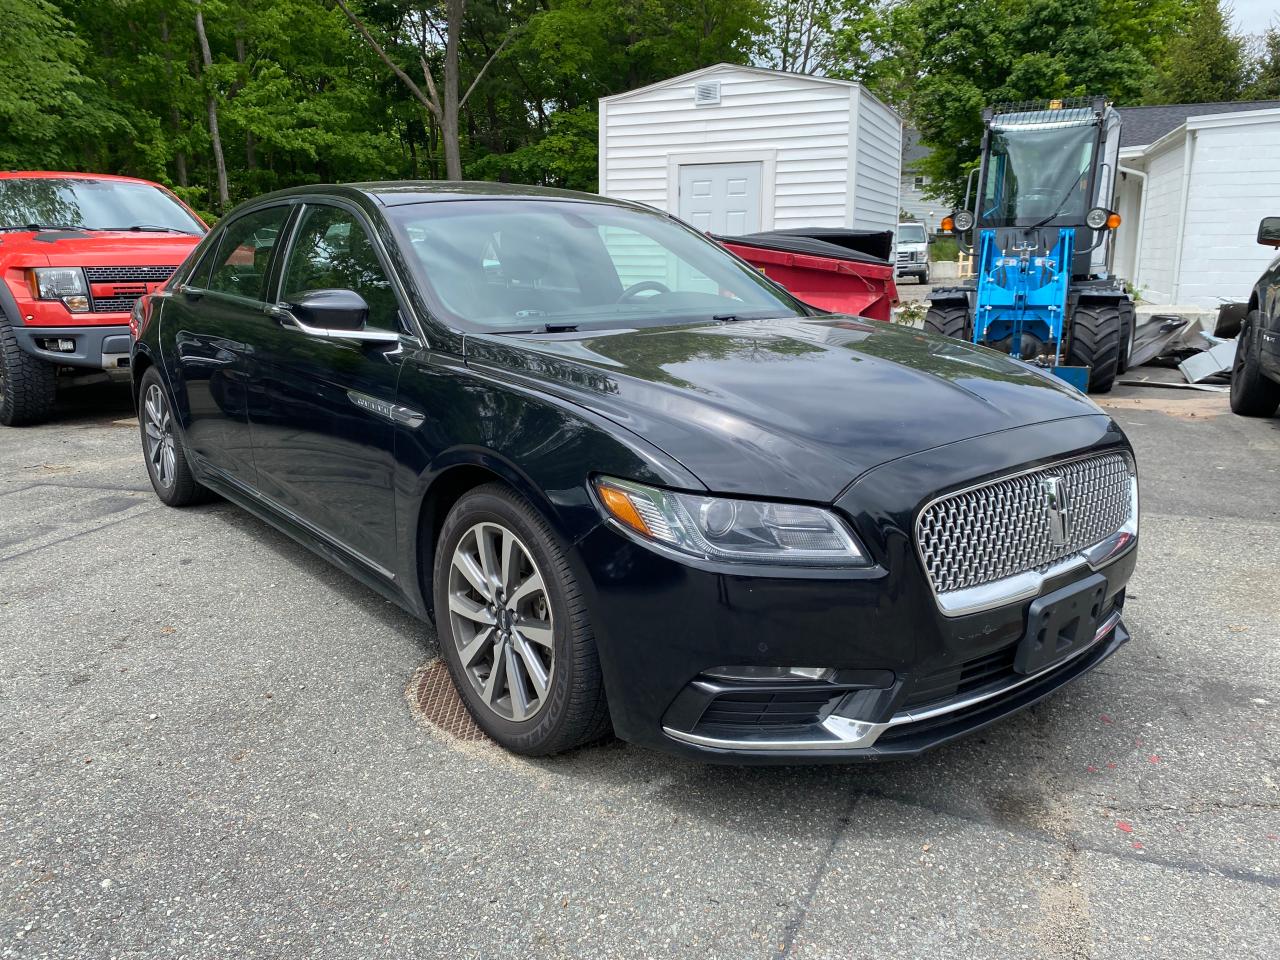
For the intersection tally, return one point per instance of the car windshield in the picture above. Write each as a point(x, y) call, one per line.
point(1038, 172)
point(526, 265)
point(910, 233)
point(88, 204)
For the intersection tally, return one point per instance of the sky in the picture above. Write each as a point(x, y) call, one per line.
point(1255, 16)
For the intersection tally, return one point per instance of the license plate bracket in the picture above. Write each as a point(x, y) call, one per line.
point(1061, 624)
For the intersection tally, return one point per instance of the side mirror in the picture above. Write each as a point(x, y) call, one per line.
point(1269, 231)
point(930, 238)
point(331, 309)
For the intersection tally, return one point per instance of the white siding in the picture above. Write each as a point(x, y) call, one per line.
point(1160, 224)
point(804, 124)
point(1235, 181)
point(878, 133)
point(912, 201)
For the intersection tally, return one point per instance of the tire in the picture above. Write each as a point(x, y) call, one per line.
point(1095, 343)
point(1252, 393)
point(163, 447)
point(1128, 329)
point(949, 321)
point(550, 630)
point(923, 277)
point(28, 386)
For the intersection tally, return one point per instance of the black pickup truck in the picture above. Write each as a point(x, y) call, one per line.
point(1255, 376)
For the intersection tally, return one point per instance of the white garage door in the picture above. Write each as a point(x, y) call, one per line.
point(721, 197)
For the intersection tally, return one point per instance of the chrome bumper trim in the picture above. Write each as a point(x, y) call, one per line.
point(846, 733)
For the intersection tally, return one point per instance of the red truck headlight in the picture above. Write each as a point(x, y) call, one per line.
point(60, 283)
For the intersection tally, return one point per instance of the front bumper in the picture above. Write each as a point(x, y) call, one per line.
point(908, 675)
point(94, 347)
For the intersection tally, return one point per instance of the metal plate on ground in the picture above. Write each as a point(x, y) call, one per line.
point(436, 700)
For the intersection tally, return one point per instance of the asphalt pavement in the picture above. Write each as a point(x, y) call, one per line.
point(207, 751)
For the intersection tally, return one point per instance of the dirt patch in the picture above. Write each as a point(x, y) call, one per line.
point(1189, 405)
point(435, 700)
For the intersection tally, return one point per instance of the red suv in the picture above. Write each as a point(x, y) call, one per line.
point(76, 252)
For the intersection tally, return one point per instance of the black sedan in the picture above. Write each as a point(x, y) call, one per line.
point(636, 485)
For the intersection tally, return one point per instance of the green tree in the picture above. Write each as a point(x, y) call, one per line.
point(47, 104)
point(940, 62)
point(1265, 84)
point(1204, 63)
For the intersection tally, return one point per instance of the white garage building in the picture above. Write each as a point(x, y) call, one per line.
point(736, 150)
point(1195, 179)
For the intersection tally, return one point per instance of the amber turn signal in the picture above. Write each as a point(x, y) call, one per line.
point(948, 225)
point(621, 508)
point(1113, 221)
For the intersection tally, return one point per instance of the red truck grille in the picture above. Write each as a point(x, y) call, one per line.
point(117, 289)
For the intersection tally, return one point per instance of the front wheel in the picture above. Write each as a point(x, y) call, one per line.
point(1252, 393)
point(28, 385)
point(1095, 343)
point(513, 626)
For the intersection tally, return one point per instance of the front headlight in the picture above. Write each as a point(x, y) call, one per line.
point(719, 528)
point(60, 283)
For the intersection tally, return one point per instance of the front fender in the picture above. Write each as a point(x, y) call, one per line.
point(480, 427)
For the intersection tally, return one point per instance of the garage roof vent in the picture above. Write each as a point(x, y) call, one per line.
point(706, 93)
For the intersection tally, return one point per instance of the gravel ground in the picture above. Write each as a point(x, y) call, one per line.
point(207, 751)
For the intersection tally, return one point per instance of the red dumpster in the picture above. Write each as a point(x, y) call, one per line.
point(844, 271)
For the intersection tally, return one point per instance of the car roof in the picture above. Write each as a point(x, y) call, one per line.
point(395, 193)
point(69, 175)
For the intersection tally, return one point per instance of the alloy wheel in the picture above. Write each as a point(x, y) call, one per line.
point(501, 621)
point(158, 424)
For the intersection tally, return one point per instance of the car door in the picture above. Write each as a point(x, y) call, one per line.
point(1269, 287)
point(322, 406)
point(215, 317)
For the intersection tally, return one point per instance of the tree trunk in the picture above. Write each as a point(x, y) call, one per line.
point(175, 118)
point(449, 108)
point(211, 100)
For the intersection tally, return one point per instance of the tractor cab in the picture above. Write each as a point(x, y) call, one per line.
point(1039, 226)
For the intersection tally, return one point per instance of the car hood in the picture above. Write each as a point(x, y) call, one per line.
point(793, 408)
point(57, 248)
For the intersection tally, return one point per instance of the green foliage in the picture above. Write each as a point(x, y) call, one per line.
point(944, 248)
point(1204, 62)
point(1266, 79)
point(940, 62)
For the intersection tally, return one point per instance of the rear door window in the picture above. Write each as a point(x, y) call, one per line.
point(244, 253)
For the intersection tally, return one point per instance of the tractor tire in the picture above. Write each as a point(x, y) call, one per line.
point(1095, 343)
point(949, 321)
point(1252, 394)
point(28, 386)
point(1128, 322)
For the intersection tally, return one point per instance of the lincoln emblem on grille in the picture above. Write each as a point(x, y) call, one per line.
point(1057, 504)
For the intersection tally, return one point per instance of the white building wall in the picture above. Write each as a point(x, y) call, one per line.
point(912, 200)
point(1160, 225)
point(875, 178)
point(1235, 181)
point(805, 123)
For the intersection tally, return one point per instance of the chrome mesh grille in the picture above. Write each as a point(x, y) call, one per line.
point(1002, 528)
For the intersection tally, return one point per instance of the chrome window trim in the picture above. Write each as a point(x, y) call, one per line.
point(848, 733)
point(1024, 586)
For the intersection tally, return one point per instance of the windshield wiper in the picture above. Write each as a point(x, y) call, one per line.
point(41, 226)
point(1070, 194)
point(544, 328)
point(147, 228)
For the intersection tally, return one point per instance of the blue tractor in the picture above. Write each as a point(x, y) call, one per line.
point(1039, 227)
